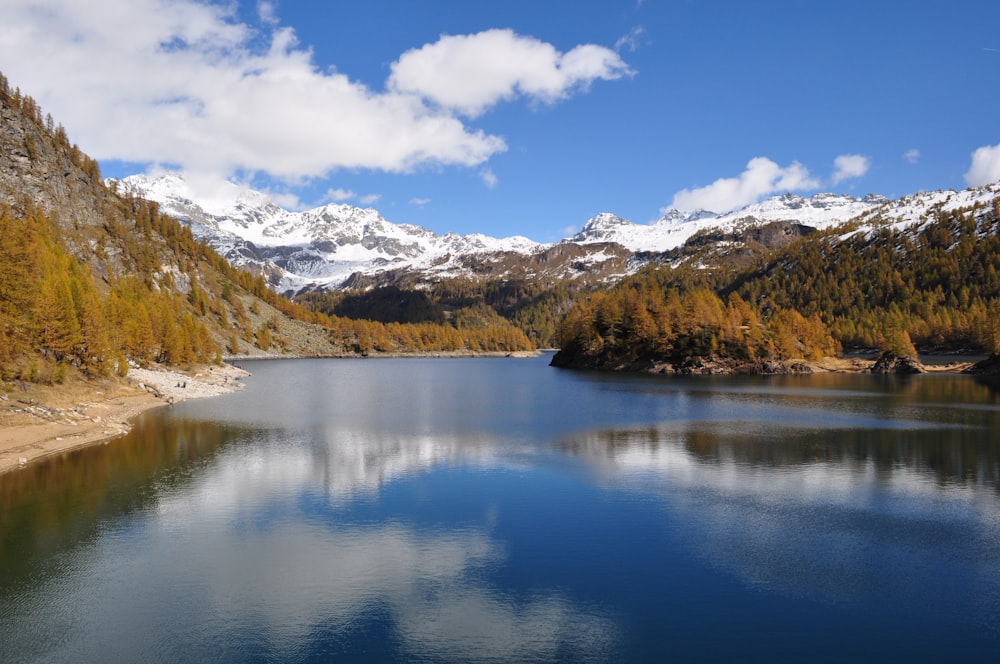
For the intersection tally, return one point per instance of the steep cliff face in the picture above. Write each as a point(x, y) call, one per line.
point(39, 167)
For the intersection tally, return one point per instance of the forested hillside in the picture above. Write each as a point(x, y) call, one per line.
point(932, 286)
point(938, 281)
point(91, 280)
point(534, 307)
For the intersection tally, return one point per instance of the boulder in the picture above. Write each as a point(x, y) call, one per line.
point(889, 363)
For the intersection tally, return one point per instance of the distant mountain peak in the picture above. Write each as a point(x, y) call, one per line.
point(602, 222)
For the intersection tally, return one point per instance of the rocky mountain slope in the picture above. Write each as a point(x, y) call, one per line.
point(90, 278)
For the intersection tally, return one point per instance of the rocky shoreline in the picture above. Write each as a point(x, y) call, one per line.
point(707, 366)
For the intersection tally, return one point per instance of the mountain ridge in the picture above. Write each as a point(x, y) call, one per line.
point(336, 246)
point(316, 247)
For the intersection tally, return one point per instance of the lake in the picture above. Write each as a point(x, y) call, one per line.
point(465, 510)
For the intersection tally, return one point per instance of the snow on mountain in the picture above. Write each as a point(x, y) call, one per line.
point(321, 247)
point(676, 227)
point(325, 246)
point(920, 209)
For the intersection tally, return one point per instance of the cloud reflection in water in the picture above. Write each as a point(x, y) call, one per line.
point(312, 572)
point(837, 515)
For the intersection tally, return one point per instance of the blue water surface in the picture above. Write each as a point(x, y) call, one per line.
point(497, 509)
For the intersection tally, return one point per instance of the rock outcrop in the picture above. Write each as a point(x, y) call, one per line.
point(889, 363)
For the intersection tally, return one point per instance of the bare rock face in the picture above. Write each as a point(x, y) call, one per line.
point(35, 167)
point(889, 363)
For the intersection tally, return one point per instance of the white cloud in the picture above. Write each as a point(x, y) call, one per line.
point(187, 84)
point(268, 12)
point(631, 40)
point(850, 166)
point(489, 178)
point(340, 194)
point(468, 74)
point(420, 202)
point(287, 200)
point(370, 199)
point(761, 178)
point(912, 156)
point(985, 167)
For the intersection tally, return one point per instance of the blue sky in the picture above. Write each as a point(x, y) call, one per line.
point(518, 117)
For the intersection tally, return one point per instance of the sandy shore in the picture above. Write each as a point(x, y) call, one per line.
point(31, 428)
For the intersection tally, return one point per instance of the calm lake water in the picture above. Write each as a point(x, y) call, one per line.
point(501, 510)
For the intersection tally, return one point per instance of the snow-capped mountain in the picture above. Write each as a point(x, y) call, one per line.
point(675, 228)
point(337, 245)
point(922, 208)
point(321, 247)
